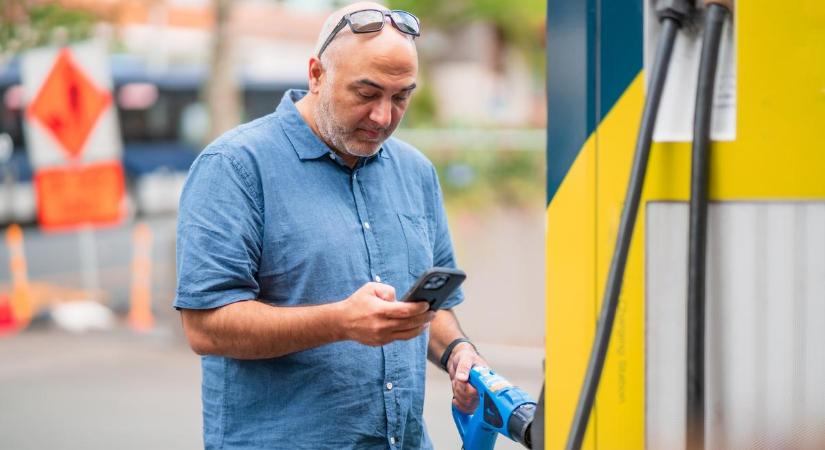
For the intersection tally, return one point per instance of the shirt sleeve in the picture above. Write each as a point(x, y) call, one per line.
point(443, 255)
point(219, 235)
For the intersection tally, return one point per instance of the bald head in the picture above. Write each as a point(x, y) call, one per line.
point(346, 41)
point(360, 87)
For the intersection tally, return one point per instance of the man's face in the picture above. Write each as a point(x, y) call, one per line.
point(364, 97)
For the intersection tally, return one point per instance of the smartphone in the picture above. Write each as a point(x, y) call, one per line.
point(435, 286)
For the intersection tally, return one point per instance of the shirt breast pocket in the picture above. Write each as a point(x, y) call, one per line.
point(417, 240)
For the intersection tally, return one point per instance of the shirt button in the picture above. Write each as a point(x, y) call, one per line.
point(377, 279)
point(392, 440)
point(367, 225)
point(389, 386)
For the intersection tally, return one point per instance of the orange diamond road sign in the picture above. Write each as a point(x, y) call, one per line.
point(69, 104)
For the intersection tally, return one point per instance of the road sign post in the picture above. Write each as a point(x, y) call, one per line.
point(74, 144)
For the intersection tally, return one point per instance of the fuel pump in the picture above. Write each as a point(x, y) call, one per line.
point(705, 336)
point(672, 14)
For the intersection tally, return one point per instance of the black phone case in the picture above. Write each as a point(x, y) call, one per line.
point(430, 289)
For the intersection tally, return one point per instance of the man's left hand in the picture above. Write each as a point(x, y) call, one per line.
point(463, 358)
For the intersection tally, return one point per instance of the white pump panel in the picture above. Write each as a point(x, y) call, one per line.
point(675, 120)
point(765, 341)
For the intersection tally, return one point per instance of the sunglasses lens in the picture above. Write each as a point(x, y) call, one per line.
point(366, 21)
point(406, 22)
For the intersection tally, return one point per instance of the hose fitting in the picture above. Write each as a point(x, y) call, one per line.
point(728, 4)
point(678, 10)
point(521, 420)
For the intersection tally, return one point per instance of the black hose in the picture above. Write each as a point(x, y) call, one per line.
point(670, 27)
point(715, 16)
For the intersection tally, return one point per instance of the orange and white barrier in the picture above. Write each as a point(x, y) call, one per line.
point(20, 301)
point(140, 301)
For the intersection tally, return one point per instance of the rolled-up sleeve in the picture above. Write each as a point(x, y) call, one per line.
point(219, 234)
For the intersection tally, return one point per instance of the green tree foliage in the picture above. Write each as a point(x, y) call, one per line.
point(422, 110)
point(26, 24)
point(520, 22)
point(474, 179)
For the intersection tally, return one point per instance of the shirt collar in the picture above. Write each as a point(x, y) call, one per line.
point(306, 143)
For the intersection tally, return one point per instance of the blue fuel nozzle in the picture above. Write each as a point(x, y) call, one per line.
point(502, 409)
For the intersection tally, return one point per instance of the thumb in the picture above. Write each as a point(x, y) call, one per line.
point(462, 371)
point(383, 291)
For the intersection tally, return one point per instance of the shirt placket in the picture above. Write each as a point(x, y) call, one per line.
point(390, 359)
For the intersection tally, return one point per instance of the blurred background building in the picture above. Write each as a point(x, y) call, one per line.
point(186, 70)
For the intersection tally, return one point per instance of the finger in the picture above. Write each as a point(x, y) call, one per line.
point(462, 403)
point(404, 310)
point(404, 327)
point(464, 389)
point(470, 391)
point(462, 407)
point(462, 370)
point(467, 404)
point(465, 401)
point(383, 291)
point(410, 322)
point(408, 334)
point(417, 307)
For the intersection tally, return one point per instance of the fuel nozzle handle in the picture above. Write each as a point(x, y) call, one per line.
point(502, 409)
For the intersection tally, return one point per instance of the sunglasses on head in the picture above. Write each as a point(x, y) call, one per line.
point(372, 20)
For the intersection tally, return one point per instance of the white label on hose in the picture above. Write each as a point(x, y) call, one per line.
point(675, 120)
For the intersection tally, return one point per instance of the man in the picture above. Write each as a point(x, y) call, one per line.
point(295, 231)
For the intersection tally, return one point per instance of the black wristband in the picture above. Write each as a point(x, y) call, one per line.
point(445, 357)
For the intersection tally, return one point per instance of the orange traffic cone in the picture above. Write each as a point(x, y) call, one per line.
point(20, 293)
point(140, 302)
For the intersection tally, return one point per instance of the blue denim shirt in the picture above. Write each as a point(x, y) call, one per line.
point(268, 212)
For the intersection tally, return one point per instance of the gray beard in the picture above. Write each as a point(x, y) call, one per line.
point(333, 133)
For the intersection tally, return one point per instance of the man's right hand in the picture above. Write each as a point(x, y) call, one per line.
point(371, 316)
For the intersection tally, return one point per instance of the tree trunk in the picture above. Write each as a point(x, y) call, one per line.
point(222, 95)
